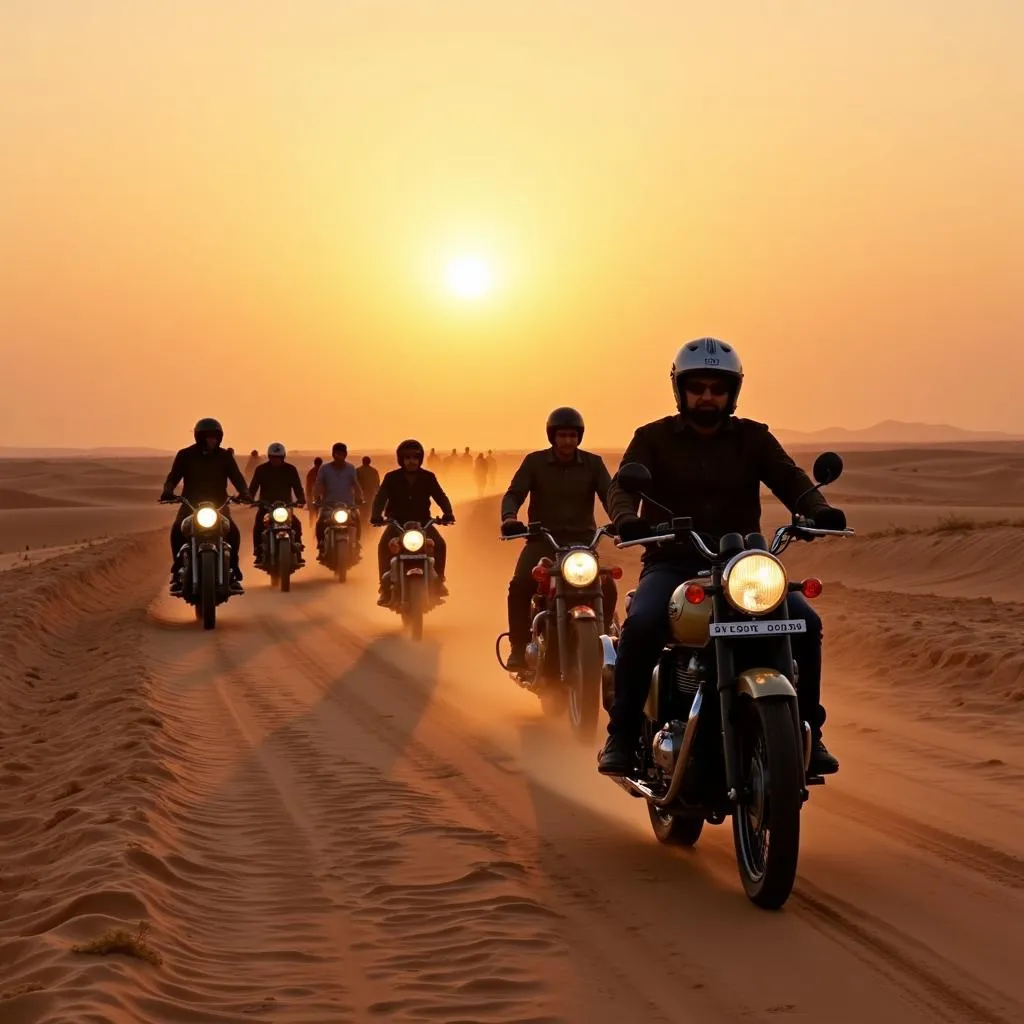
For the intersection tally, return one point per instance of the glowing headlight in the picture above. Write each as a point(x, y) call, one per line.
point(755, 583)
point(412, 540)
point(341, 515)
point(280, 515)
point(206, 517)
point(579, 568)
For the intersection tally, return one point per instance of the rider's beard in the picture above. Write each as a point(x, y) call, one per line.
point(707, 416)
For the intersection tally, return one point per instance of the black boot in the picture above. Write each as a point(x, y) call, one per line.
point(517, 659)
point(617, 756)
point(822, 762)
point(384, 597)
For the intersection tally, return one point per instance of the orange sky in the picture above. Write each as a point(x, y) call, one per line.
point(244, 209)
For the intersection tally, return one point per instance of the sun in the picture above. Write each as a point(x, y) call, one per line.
point(469, 277)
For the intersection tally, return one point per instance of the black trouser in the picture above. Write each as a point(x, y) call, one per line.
point(645, 631)
point(321, 525)
point(522, 587)
point(234, 538)
point(384, 553)
point(259, 526)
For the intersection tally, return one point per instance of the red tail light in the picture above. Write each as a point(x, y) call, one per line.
point(811, 587)
point(695, 593)
point(615, 572)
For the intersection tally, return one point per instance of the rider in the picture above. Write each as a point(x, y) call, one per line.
point(562, 482)
point(337, 483)
point(705, 463)
point(404, 496)
point(205, 470)
point(276, 480)
point(369, 481)
point(311, 484)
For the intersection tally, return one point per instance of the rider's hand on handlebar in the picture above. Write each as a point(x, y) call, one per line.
point(630, 527)
point(829, 518)
point(376, 521)
point(446, 521)
point(512, 528)
point(167, 496)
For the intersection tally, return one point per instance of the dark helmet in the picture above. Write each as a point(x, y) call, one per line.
point(409, 445)
point(710, 356)
point(564, 418)
point(208, 425)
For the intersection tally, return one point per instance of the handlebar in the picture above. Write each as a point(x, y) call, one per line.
point(534, 530)
point(178, 499)
point(422, 526)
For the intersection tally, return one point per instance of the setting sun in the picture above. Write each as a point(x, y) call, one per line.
point(469, 277)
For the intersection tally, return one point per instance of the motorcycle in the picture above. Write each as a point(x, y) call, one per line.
point(564, 661)
point(205, 558)
point(340, 548)
point(722, 734)
point(412, 575)
point(280, 547)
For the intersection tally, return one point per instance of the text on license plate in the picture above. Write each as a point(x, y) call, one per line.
point(764, 628)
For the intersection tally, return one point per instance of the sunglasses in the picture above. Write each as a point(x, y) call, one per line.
point(718, 388)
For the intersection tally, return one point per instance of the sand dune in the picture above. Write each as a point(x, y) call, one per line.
point(318, 821)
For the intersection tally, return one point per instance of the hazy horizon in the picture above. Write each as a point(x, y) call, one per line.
point(195, 193)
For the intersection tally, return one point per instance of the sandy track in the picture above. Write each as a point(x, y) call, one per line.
point(323, 822)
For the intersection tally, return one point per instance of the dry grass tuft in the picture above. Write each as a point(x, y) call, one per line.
point(120, 940)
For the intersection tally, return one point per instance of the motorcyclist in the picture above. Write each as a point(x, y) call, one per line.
point(369, 481)
point(337, 483)
point(204, 470)
point(404, 496)
point(562, 482)
point(708, 464)
point(276, 480)
point(311, 485)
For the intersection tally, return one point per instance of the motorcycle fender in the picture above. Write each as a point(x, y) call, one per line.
point(581, 611)
point(413, 572)
point(764, 682)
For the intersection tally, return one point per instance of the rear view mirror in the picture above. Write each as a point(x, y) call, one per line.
point(633, 477)
point(828, 467)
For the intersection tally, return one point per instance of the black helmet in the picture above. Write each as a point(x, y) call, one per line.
point(409, 445)
point(208, 425)
point(564, 418)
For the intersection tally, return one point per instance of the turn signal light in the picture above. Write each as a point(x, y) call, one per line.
point(615, 572)
point(695, 593)
point(394, 545)
point(541, 573)
point(428, 545)
point(811, 587)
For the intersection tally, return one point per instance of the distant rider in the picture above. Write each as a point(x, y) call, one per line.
point(404, 496)
point(337, 483)
point(708, 464)
point(276, 480)
point(204, 469)
point(562, 482)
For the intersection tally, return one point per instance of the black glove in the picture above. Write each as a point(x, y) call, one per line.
point(447, 520)
point(376, 521)
point(631, 527)
point(166, 496)
point(830, 518)
point(513, 528)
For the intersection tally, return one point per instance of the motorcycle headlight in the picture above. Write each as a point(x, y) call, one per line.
point(207, 517)
point(412, 540)
point(755, 583)
point(280, 515)
point(579, 568)
point(341, 515)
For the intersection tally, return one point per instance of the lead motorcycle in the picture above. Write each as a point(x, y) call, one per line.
point(280, 546)
point(722, 735)
point(564, 661)
point(411, 573)
point(204, 559)
point(340, 549)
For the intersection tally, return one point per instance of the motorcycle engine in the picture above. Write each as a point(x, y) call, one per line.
point(688, 676)
point(665, 746)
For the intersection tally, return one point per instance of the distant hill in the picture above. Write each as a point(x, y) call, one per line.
point(79, 453)
point(895, 432)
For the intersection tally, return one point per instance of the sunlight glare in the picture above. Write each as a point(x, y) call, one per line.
point(468, 277)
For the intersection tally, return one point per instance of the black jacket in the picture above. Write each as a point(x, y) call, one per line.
point(276, 483)
point(714, 479)
point(406, 498)
point(561, 494)
point(204, 474)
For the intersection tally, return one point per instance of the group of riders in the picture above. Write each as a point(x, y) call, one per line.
point(705, 462)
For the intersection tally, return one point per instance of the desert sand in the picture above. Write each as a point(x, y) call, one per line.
point(304, 817)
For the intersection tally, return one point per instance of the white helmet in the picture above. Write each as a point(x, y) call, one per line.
point(276, 449)
point(707, 355)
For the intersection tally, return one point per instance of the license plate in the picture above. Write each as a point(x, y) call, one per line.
point(774, 627)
